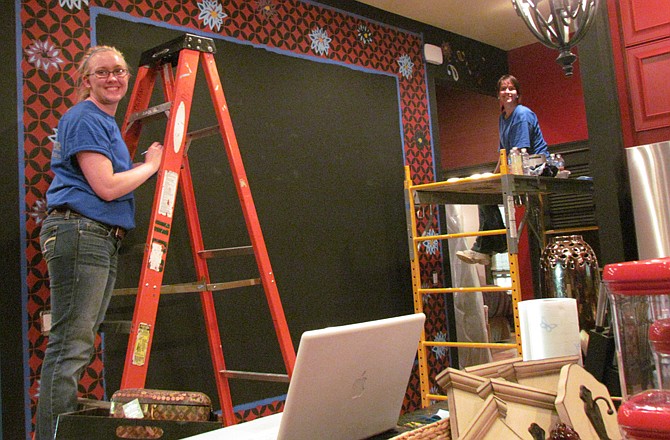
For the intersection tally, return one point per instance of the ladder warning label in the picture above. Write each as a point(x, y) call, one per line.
point(141, 344)
point(156, 257)
point(168, 193)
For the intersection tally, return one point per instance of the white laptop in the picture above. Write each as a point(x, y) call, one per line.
point(348, 383)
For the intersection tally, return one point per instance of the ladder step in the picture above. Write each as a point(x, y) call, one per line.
point(195, 287)
point(227, 252)
point(250, 375)
point(149, 114)
point(468, 344)
point(119, 327)
point(439, 290)
point(202, 133)
point(199, 134)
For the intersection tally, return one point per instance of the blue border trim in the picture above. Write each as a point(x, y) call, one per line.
point(22, 218)
point(252, 405)
point(430, 116)
point(441, 243)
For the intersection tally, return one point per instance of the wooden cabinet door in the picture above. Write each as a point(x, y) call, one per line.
point(648, 73)
point(644, 20)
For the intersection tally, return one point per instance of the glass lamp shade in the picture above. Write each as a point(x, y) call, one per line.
point(558, 24)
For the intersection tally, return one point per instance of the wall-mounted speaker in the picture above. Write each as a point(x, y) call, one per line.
point(433, 54)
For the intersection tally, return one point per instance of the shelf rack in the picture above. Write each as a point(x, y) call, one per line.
point(500, 188)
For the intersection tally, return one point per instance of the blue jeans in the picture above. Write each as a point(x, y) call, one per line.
point(489, 219)
point(81, 256)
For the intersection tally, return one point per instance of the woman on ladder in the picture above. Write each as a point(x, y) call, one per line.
point(91, 207)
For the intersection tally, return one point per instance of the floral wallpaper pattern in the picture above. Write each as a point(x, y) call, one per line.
point(54, 34)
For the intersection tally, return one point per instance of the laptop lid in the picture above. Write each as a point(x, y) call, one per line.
point(348, 383)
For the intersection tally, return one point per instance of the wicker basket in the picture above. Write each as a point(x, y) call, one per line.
point(433, 431)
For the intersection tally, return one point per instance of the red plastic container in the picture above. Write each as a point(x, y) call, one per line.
point(639, 295)
point(659, 337)
point(646, 416)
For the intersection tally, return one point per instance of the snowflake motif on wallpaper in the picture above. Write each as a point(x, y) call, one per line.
point(364, 34)
point(420, 139)
point(43, 55)
point(52, 137)
point(211, 14)
point(267, 8)
point(72, 4)
point(440, 352)
point(430, 245)
point(39, 211)
point(320, 41)
point(406, 66)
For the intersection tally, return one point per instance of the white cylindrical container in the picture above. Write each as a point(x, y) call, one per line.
point(549, 328)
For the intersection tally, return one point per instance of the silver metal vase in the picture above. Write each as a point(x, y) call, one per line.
point(570, 270)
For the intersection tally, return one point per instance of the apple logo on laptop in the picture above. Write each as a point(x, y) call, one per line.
point(358, 387)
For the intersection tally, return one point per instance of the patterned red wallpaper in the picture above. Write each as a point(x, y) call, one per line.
point(54, 36)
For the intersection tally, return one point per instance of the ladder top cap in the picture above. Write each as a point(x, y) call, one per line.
point(169, 52)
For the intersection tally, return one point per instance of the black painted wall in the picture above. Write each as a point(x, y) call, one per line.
point(322, 149)
point(614, 211)
point(11, 346)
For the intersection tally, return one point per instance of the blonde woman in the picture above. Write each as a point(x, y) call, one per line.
point(91, 207)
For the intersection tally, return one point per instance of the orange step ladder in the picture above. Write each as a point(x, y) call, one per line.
point(185, 54)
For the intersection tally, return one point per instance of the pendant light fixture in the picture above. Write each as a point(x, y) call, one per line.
point(558, 24)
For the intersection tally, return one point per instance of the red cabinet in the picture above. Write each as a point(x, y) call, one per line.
point(644, 20)
point(649, 80)
point(641, 37)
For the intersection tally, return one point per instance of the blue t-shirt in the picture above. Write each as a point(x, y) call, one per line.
point(85, 127)
point(522, 130)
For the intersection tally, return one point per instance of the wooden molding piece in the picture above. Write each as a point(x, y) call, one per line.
point(544, 373)
point(526, 405)
point(491, 369)
point(452, 377)
point(463, 391)
point(514, 392)
point(507, 372)
point(570, 405)
point(489, 423)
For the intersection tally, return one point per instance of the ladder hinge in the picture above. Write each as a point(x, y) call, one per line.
point(169, 52)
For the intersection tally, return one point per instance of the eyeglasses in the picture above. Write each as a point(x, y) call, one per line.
point(104, 73)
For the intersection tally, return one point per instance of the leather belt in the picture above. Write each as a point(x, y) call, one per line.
point(115, 231)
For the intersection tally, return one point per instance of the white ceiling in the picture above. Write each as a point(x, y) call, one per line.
point(493, 22)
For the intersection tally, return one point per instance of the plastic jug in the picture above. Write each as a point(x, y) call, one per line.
point(639, 295)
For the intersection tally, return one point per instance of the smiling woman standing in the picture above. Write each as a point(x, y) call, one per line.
point(91, 207)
